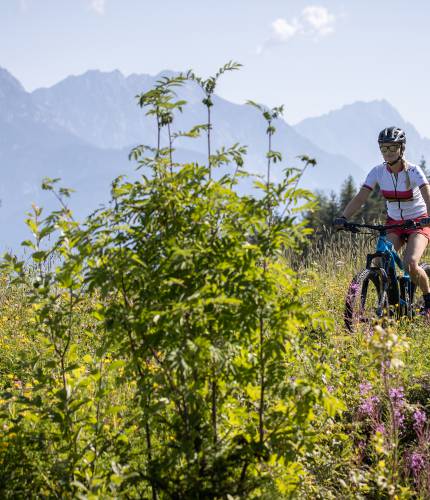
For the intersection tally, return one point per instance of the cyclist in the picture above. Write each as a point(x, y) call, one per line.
point(407, 194)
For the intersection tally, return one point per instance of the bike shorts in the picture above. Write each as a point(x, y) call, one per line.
point(404, 233)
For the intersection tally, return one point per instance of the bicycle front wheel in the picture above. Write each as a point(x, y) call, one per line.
point(405, 303)
point(417, 301)
point(366, 300)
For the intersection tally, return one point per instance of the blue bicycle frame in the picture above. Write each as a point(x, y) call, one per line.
point(385, 248)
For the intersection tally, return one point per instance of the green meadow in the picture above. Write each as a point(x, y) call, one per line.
point(186, 341)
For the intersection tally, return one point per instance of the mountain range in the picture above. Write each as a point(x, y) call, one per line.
point(352, 131)
point(82, 129)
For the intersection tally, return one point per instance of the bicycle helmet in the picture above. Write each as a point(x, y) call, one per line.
point(392, 134)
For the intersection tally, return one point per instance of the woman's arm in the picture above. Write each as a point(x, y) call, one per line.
point(358, 201)
point(425, 191)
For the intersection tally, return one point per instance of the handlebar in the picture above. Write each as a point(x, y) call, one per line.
point(354, 227)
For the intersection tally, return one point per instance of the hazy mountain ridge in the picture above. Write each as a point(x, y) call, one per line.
point(82, 128)
point(101, 108)
point(353, 131)
point(98, 107)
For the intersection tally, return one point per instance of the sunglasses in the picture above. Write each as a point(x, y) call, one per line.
point(392, 148)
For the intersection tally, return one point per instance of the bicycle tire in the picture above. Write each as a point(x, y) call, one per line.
point(366, 299)
point(418, 305)
point(406, 307)
point(393, 289)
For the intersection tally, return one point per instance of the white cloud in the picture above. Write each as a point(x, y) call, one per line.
point(318, 20)
point(283, 30)
point(314, 21)
point(98, 6)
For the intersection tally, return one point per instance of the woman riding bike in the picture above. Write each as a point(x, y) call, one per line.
point(407, 194)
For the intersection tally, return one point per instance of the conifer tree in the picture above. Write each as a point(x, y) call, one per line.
point(328, 207)
point(347, 192)
point(375, 209)
point(423, 165)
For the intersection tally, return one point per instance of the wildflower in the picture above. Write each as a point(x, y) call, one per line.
point(330, 388)
point(385, 367)
point(397, 399)
point(368, 408)
point(399, 418)
point(365, 387)
point(17, 383)
point(361, 450)
point(397, 396)
point(380, 428)
point(416, 463)
point(352, 292)
point(419, 420)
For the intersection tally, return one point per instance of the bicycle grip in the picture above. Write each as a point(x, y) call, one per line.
point(424, 222)
point(351, 228)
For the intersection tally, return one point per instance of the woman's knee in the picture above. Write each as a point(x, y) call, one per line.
point(412, 266)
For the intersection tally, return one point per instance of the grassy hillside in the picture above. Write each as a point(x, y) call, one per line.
point(377, 446)
point(182, 342)
point(381, 375)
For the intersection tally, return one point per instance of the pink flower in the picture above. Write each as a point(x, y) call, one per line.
point(397, 399)
point(399, 418)
point(419, 420)
point(369, 407)
point(416, 463)
point(380, 428)
point(397, 396)
point(365, 387)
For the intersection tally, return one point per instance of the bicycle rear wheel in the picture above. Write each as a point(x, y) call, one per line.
point(366, 299)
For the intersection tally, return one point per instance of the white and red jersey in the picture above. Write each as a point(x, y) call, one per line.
point(401, 192)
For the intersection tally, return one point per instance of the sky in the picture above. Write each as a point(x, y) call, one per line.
point(311, 56)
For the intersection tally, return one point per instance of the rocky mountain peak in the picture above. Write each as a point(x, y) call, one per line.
point(352, 131)
point(10, 87)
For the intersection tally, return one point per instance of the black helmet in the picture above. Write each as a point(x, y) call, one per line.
point(392, 134)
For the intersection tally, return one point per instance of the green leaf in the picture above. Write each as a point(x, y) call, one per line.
point(333, 405)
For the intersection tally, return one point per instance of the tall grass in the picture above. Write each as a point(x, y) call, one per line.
point(386, 454)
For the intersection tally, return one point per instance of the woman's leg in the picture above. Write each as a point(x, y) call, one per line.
point(395, 240)
point(415, 247)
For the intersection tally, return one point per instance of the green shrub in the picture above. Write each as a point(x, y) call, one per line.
point(173, 355)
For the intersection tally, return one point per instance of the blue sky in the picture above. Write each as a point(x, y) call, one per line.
point(311, 56)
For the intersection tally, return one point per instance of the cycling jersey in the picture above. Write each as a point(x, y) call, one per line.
point(401, 192)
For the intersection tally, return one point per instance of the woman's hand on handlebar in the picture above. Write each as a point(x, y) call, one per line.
point(339, 223)
point(424, 222)
point(411, 224)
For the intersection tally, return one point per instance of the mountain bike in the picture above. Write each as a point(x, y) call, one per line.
point(378, 290)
